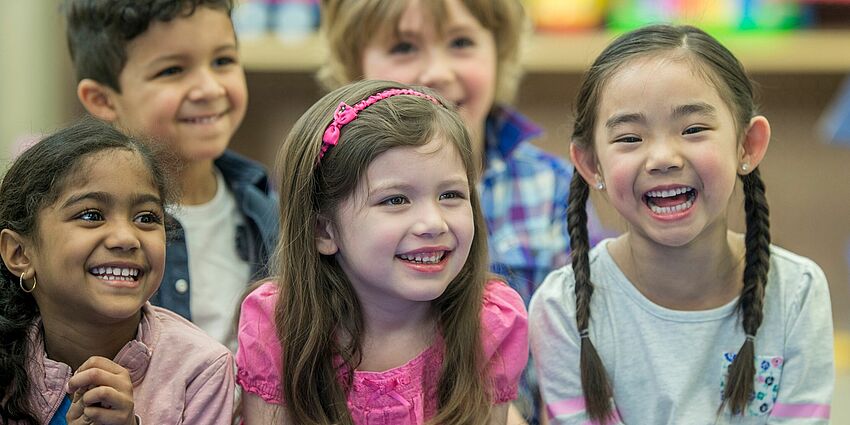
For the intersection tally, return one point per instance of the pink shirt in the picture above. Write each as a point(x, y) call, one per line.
point(180, 375)
point(403, 395)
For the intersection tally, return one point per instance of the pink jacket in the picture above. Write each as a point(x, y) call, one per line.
point(180, 375)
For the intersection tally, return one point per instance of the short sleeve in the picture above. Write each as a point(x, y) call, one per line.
point(504, 338)
point(258, 358)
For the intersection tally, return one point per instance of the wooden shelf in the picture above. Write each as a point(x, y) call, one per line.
point(821, 51)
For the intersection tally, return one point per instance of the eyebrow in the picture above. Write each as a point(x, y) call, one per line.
point(182, 55)
point(625, 119)
point(407, 187)
point(106, 198)
point(699, 108)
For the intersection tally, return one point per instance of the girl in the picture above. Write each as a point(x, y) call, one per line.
point(382, 311)
point(83, 248)
point(692, 323)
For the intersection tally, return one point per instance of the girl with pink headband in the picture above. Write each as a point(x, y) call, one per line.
point(381, 309)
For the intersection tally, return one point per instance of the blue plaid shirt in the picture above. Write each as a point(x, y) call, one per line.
point(524, 196)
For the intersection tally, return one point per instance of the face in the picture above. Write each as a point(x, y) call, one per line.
point(183, 84)
point(460, 62)
point(406, 231)
point(667, 150)
point(100, 249)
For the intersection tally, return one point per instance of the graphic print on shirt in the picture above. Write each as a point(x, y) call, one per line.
point(765, 385)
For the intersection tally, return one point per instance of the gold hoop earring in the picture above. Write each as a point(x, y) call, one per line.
point(21, 283)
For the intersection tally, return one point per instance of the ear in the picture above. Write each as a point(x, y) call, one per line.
point(325, 237)
point(98, 99)
point(585, 162)
point(754, 145)
point(14, 252)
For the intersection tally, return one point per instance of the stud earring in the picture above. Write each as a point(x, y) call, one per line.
point(21, 283)
point(600, 185)
point(745, 166)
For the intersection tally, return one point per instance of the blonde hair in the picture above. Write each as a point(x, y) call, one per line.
point(343, 23)
point(318, 315)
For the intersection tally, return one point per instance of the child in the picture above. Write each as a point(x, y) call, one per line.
point(692, 323)
point(169, 70)
point(83, 248)
point(382, 310)
point(468, 51)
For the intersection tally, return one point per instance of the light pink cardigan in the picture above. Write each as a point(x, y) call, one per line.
point(180, 375)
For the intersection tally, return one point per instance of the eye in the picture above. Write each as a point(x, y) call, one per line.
point(90, 215)
point(694, 129)
point(395, 200)
point(628, 139)
point(167, 72)
point(454, 194)
point(402, 48)
point(462, 42)
point(148, 217)
point(224, 61)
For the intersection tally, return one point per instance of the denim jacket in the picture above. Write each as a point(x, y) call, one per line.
point(255, 239)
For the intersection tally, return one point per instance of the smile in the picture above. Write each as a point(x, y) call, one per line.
point(116, 273)
point(207, 119)
point(424, 257)
point(670, 201)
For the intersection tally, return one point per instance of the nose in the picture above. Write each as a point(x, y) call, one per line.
point(206, 86)
point(122, 237)
point(663, 156)
point(437, 71)
point(430, 221)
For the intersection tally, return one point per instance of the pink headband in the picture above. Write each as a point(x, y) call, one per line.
point(345, 114)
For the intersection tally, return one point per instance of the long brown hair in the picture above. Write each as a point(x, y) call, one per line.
point(349, 25)
point(317, 303)
point(720, 67)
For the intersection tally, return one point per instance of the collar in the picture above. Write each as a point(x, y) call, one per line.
point(241, 171)
point(47, 374)
point(506, 129)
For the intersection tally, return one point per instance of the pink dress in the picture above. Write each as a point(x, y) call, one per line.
point(407, 394)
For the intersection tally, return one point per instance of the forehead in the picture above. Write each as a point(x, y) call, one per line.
point(206, 26)
point(418, 15)
point(111, 171)
point(659, 81)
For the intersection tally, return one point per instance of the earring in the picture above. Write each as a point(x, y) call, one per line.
point(21, 283)
point(745, 166)
point(600, 185)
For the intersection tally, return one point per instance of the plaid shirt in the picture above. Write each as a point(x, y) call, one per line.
point(524, 196)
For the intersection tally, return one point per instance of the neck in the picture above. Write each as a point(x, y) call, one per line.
point(197, 183)
point(699, 276)
point(73, 343)
point(407, 329)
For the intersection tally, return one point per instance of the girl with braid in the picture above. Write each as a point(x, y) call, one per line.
point(679, 320)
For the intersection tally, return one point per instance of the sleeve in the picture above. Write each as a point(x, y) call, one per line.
point(209, 399)
point(556, 349)
point(258, 358)
point(808, 373)
point(504, 337)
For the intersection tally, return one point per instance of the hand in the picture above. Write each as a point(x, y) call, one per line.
point(102, 394)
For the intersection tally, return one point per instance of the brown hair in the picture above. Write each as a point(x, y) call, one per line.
point(318, 315)
point(343, 22)
point(724, 71)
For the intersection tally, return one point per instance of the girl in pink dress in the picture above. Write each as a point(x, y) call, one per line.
point(381, 310)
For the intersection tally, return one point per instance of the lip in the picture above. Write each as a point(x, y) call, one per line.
point(677, 189)
point(426, 267)
point(200, 119)
point(426, 249)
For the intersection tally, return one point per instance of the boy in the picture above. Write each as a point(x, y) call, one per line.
point(169, 70)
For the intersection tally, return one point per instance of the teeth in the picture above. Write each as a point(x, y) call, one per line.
point(427, 258)
point(202, 120)
point(670, 210)
point(668, 193)
point(116, 273)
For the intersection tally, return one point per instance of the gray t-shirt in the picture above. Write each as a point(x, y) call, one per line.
point(668, 366)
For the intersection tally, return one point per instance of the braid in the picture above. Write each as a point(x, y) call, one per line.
point(741, 372)
point(594, 380)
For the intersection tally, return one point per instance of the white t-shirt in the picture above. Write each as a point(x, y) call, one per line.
point(668, 366)
point(217, 273)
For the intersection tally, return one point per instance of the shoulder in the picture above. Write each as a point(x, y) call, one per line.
point(243, 174)
point(556, 292)
point(181, 339)
point(502, 305)
point(794, 277)
point(531, 159)
point(260, 303)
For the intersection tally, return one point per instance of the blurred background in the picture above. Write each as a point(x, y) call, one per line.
point(797, 51)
